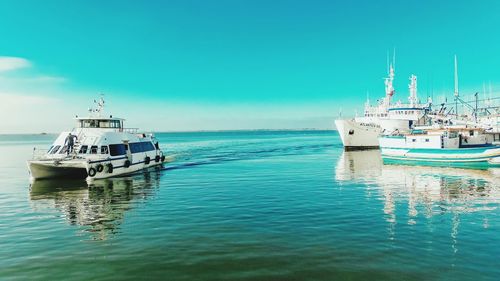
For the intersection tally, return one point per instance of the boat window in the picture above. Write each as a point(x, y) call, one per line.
point(117, 149)
point(93, 149)
point(104, 149)
point(55, 149)
point(149, 146)
point(64, 149)
point(137, 147)
point(414, 140)
point(426, 140)
point(103, 124)
point(471, 133)
point(83, 149)
point(48, 151)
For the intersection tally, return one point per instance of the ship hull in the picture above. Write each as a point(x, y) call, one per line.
point(358, 135)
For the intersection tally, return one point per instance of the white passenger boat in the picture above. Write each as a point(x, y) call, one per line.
point(448, 147)
point(386, 117)
point(103, 149)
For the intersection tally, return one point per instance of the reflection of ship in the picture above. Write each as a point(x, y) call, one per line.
point(412, 192)
point(468, 190)
point(100, 207)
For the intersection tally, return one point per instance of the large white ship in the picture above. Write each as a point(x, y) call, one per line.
point(103, 148)
point(362, 132)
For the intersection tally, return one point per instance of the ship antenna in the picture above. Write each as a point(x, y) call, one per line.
point(394, 59)
point(456, 93)
point(388, 62)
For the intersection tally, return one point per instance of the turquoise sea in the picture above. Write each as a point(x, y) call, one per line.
point(263, 205)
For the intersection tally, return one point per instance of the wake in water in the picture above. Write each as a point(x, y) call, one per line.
point(190, 155)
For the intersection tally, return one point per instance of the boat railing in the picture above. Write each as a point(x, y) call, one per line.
point(39, 153)
point(131, 130)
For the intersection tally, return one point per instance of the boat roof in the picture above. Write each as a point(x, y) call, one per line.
point(98, 118)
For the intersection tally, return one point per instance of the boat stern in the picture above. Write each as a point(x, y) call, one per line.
point(46, 169)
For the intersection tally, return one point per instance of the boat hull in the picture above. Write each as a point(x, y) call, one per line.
point(358, 135)
point(51, 170)
point(89, 170)
point(462, 157)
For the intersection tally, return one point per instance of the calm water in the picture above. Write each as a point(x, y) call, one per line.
point(251, 206)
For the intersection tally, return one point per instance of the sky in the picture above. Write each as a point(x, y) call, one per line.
point(234, 64)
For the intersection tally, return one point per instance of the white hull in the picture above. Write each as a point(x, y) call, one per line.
point(82, 169)
point(470, 159)
point(358, 135)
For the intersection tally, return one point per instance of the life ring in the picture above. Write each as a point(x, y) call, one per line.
point(147, 160)
point(157, 158)
point(110, 168)
point(126, 164)
point(92, 172)
point(163, 158)
point(100, 168)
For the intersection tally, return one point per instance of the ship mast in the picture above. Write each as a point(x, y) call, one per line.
point(388, 81)
point(456, 87)
point(413, 91)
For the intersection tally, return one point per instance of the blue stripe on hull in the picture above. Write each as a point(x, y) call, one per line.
point(415, 162)
point(446, 150)
point(439, 159)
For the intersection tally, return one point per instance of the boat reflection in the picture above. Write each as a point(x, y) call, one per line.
point(427, 190)
point(100, 207)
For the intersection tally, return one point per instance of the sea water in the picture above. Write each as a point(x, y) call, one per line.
point(250, 206)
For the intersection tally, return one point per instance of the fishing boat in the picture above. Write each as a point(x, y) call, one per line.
point(98, 147)
point(465, 147)
point(385, 117)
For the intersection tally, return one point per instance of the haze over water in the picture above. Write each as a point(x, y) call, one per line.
point(250, 206)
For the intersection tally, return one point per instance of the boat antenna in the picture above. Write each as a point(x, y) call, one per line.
point(475, 110)
point(484, 93)
point(489, 98)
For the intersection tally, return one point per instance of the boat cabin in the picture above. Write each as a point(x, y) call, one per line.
point(438, 139)
point(101, 123)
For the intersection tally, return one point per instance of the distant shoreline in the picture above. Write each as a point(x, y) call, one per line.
point(201, 131)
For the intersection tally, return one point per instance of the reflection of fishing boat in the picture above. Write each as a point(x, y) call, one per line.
point(100, 207)
point(464, 187)
point(414, 194)
point(103, 148)
point(448, 147)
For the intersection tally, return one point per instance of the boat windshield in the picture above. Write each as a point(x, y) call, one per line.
point(96, 123)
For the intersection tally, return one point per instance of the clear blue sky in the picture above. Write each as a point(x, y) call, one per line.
point(237, 64)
